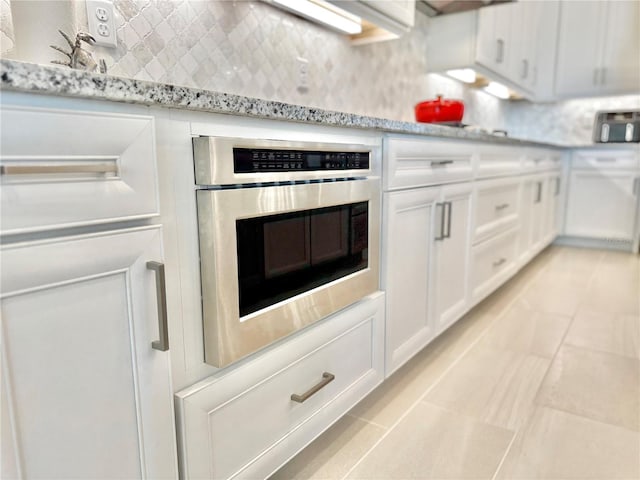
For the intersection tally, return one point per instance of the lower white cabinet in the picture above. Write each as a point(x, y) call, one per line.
point(407, 252)
point(451, 256)
point(492, 262)
point(252, 418)
point(602, 204)
point(84, 394)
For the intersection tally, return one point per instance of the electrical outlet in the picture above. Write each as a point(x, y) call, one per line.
point(102, 25)
point(303, 75)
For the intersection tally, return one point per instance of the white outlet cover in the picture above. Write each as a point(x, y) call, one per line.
point(102, 25)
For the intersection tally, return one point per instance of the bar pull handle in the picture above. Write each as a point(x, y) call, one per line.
point(161, 295)
point(449, 206)
point(525, 68)
point(441, 235)
point(327, 378)
point(539, 192)
point(440, 163)
point(557, 186)
point(595, 75)
point(497, 263)
point(502, 206)
point(49, 169)
point(499, 50)
point(603, 76)
point(636, 182)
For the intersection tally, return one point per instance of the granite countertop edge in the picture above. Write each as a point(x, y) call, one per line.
point(44, 79)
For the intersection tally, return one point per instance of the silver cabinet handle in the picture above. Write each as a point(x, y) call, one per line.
point(525, 68)
point(539, 193)
point(603, 76)
point(557, 186)
point(449, 207)
point(161, 296)
point(636, 182)
point(595, 75)
point(441, 235)
point(497, 263)
point(606, 159)
point(499, 50)
point(48, 169)
point(327, 378)
point(502, 206)
point(441, 163)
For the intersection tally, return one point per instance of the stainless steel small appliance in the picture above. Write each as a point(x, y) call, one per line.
point(289, 234)
point(617, 127)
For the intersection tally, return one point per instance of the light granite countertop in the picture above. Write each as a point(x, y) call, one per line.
point(50, 80)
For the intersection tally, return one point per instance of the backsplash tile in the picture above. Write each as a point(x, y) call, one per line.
point(250, 48)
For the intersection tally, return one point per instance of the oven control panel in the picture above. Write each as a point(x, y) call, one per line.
point(250, 160)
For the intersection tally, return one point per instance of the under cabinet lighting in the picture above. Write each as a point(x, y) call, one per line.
point(324, 13)
point(466, 75)
point(497, 90)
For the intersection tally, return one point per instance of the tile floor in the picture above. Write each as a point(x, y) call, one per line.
point(539, 381)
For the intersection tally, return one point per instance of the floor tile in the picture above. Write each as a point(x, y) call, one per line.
point(607, 332)
point(334, 453)
point(495, 386)
point(597, 385)
point(557, 445)
point(613, 293)
point(387, 403)
point(526, 331)
point(433, 443)
point(549, 295)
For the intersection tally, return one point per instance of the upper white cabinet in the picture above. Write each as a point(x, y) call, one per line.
point(387, 19)
point(84, 393)
point(598, 48)
point(512, 43)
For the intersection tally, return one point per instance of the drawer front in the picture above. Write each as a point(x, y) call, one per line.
point(540, 160)
point(67, 168)
point(492, 263)
point(413, 163)
point(606, 160)
point(496, 162)
point(247, 416)
point(496, 208)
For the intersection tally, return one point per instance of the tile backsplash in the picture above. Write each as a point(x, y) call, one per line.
point(251, 48)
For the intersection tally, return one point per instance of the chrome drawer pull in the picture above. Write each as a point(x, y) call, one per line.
point(441, 162)
point(499, 262)
point(327, 378)
point(58, 169)
point(161, 295)
point(502, 207)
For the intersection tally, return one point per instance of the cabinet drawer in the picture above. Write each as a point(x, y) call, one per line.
point(245, 423)
point(492, 263)
point(495, 162)
point(542, 160)
point(412, 163)
point(496, 207)
point(606, 160)
point(63, 168)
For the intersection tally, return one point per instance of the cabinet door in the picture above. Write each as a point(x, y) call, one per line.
point(494, 47)
point(602, 204)
point(85, 394)
point(579, 48)
point(451, 257)
point(621, 60)
point(408, 237)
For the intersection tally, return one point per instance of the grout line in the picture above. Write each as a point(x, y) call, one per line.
point(367, 421)
point(441, 376)
point(555, 354)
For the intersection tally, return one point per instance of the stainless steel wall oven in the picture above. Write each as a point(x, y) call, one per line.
point(289, 234)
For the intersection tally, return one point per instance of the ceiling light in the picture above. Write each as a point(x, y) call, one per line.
point(466, 75)
point(497, 90)
point(318, 11)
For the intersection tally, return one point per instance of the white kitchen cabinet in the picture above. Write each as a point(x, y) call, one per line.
point(84, 392)
point(496, 206)
point(513, 44)
point(598, 48)
point(450, 256)
point(244, 421)
point(407, 253)
point(602, 204)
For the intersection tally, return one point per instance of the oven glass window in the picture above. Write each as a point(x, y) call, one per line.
point(280, 256)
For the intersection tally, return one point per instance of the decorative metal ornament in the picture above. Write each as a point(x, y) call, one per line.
point(79, 58)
